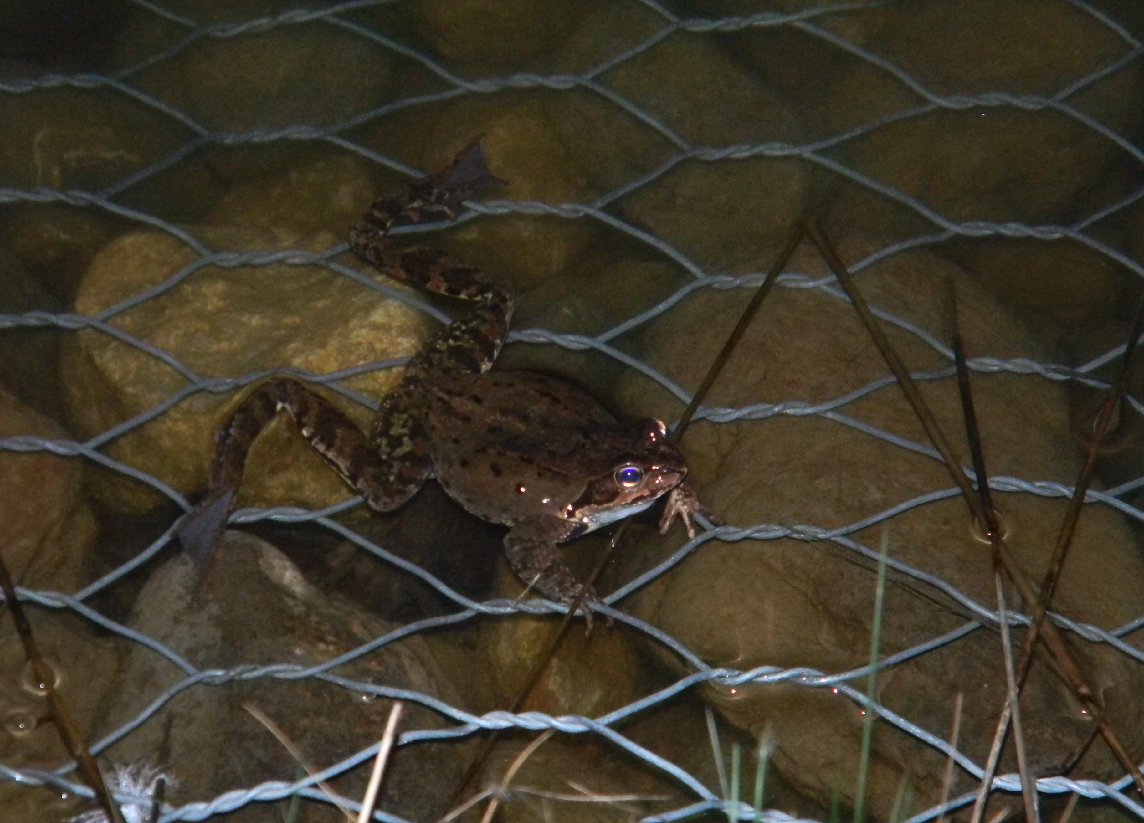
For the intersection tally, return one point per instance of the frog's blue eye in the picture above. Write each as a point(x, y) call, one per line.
point(629, 476)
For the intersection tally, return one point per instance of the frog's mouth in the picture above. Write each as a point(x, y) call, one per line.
point(610, 514)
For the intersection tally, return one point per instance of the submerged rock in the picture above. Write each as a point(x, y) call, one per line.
point(829, 463)
point(248, 614)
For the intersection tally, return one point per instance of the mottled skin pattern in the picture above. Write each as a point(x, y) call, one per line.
point(525, 450)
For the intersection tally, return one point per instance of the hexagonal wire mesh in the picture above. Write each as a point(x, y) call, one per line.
point(707, 139)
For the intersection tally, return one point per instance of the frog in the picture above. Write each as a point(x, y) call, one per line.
point(526, 450)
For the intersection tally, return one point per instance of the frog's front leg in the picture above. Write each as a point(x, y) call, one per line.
point(386, 471)
point(683, 502)
point(532, 551)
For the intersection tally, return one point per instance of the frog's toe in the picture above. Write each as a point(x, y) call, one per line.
point(682, 502)
point(202, 529)
point(589, 607)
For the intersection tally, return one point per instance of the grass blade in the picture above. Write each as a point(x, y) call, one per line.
point(1054, 640)
point(62, 718)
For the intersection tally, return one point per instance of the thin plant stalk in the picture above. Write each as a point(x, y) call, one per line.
point(736, 774)
point(871, 686)
point(716, 749)
point(764, 755)
point(985, 498)
point(513, 768)
point(1029, 798)
point(61, 716)
point(1054, 640)
point(379, 763)
point(749, 312)
point(1101, 425)
point(697, 398)
point(954, 734)
point(280, 735)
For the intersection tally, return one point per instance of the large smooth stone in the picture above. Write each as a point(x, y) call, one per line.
point(813, 469)
point(252, 608)
point(221, 322)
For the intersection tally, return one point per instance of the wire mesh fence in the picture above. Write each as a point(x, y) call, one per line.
point(175, 204)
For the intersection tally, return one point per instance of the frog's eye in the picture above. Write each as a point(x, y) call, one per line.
point(629, 476)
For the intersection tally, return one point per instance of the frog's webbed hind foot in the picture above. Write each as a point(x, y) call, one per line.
point(431, 199)
point(385, 480)
point(435, 198)
point(468, 176)
point(201, 531)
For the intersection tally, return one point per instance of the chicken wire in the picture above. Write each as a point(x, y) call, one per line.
point(114, 199)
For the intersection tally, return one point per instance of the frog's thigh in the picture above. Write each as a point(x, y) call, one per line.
point(533, 553)
point(395, 463)
point(385, 480)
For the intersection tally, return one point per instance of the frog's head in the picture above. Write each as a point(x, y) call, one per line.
point(646, 466)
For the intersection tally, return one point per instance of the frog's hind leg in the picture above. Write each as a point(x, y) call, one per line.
point(386, 480)
point(472, 343)
point(433, 198)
